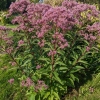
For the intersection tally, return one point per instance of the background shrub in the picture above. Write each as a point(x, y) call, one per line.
point(53, 2)
point(4, 4)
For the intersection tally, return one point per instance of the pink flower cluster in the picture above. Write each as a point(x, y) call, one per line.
point(40, 85)
point(20, 43)
point(52, 53)
point(9, 50)
point(69, 4)
point(42, 18)
point(59, 40)
point(8, 40)
point(4, 28)
point(18, 6)
point(59, 17)
point(13, 63)
point(38, 67)
point(87, 48)
point(41, 43)
point(11, 81)
point(88, 36)
point(27, 83)
point(77, 8)
point(94, 28)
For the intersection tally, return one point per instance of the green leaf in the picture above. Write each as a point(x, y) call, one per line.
point(86, 42)
point(56, 77)
point(70, 82)
point(61, 52)
point(77, 79)
point(82, 61)
point(52, 97)
point(47, 60)
point(79, 67)
point(63, 68)
point(75, 55)
point(46, 49)
point(61, 87)
point(32, 97)
point(76, 69)
point(37, 97)
point(49, 45)
point(26, 61)
point(81, 49)
point(49, 98)
point(69, 36)
point(56, 95)
point(60, 63)
point(72, 77)
point(46, 95)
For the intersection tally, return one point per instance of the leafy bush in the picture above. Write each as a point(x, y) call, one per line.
point(35, 1)
point(4, 4)
point(3, 19)
point(53, 48)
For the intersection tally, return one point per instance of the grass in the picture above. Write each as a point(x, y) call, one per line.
point(89, 91)
point(9, 25)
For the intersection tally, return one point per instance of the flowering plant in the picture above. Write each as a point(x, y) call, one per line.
point(51, 46)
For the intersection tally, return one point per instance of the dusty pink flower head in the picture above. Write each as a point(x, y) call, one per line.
point(27, 83)
point(38, 67)
point(92, 38)
point(18, 6)
point(9, 50)
point(59, 40)
point(11, 81)
point(4, 28)
point(94, 28)
point(40, 85)
point(20, 43)
point(62, 46)
point(41, 43)
point(52, 52)
point(13, 63)
point(87, 48)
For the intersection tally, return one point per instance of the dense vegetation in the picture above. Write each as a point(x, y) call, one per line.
point(50, 52)
point(4, 4)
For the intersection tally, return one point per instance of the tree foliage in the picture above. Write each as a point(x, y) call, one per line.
point(4, 4)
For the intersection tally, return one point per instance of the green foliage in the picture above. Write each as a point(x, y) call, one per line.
point(53, 2)
point(3, 19)
point(8, 91)
point(35, 1)
point(4, 4)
